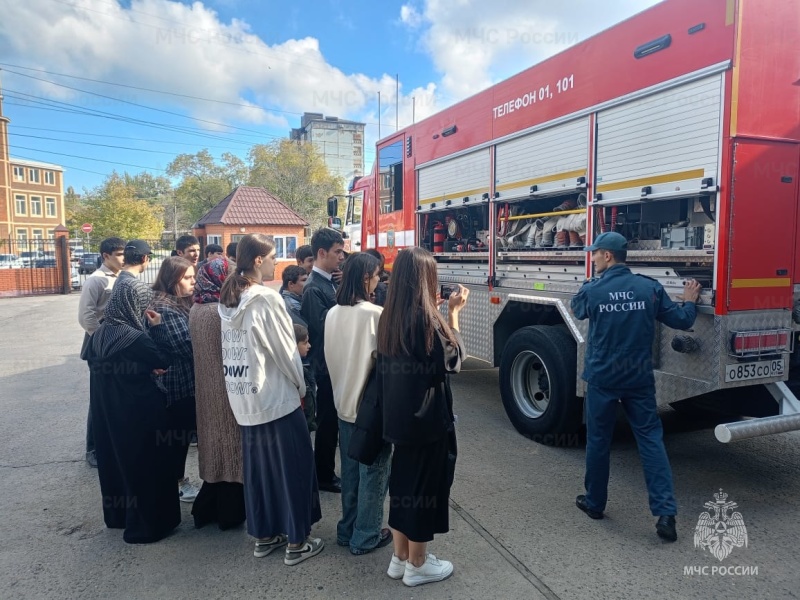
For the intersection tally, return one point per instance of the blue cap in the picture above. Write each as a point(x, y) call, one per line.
point(610, 240)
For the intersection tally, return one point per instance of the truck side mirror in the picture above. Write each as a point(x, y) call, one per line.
point(333, 206)
point(335, 223)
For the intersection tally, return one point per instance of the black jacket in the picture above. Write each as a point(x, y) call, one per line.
point(417, 401)
point(319, 296)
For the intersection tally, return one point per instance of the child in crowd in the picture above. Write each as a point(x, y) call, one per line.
point(309, 403)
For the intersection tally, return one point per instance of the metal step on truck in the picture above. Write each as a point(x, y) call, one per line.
point(678, 128)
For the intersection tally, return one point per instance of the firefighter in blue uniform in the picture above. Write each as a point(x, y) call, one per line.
point(622, 309)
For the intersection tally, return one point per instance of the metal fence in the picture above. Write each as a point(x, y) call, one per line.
point(36, 266)
point(86, 258)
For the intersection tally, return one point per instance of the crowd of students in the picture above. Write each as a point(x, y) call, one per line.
point(210, 348)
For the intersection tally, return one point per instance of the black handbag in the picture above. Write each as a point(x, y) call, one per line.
point(366, 441)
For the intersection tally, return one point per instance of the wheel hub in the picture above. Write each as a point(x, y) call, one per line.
point(530, 383)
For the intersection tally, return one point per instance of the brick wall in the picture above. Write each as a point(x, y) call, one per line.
point(29, 281)
point(40, 280)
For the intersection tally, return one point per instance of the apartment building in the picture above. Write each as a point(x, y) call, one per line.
point(31, 194)
point(339, 142)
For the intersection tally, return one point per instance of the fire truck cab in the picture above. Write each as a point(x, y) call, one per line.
point(678, 128)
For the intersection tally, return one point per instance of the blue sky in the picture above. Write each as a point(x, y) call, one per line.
point(232, 73)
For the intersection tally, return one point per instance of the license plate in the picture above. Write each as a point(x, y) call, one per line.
point(754, 370)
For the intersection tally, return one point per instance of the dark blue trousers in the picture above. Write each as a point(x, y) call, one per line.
point(640, 409)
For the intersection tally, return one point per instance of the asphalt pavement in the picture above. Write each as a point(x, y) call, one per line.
point(515, 531)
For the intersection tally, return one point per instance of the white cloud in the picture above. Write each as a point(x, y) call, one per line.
point(186, 48)
point(410, 16)
point(164, 45)
point(474, 44)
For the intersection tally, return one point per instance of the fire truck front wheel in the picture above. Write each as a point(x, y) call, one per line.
point(537, 383)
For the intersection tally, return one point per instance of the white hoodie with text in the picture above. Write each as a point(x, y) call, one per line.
point(263, 370)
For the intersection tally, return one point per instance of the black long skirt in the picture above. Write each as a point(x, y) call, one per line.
point(135, 460)
point(221, 503)
point(280, 481)
point(182, 416)
point(419, 490)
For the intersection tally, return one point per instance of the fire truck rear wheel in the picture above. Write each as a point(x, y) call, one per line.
point(537, 383)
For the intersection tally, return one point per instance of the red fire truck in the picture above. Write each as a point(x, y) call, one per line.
point(680, 129)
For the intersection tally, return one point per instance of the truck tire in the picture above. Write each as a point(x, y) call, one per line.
point(537, 384)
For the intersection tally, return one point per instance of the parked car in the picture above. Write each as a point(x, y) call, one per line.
point(29, 258)
point(10, 261)
point(88, 263)
point(75, 278)
point(76, 253)
point(46, 262)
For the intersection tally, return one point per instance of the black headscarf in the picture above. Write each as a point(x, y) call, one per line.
point(124, 319)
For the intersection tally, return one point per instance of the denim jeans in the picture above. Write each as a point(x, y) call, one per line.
point(363, 492)
point(601, 416)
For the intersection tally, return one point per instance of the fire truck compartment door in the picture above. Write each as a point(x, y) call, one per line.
point(551, 159)
point(763, 225)
point(669, 141)
point(466, 176)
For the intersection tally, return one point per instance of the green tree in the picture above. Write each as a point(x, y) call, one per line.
point(204, 182)
point(146, 186)
point(295, 173)
point(114, 210)
point(72, 205)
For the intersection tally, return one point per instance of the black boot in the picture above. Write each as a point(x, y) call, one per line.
point(581, 503)
point(665, 527)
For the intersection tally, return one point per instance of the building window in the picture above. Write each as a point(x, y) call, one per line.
point(36, 206)
point(285, 246)
point(50, 207)
point(19, 173)
point(33, 175)
point(37, 234)
point(50, 177)
point(237, 238)
point(22, 235)
point(51, 234)
point(20, 205)
point(215, 239)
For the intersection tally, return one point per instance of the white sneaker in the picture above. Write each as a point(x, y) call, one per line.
point(397, 568)
point(187, 491)
point(431, 570)
point(311, 547)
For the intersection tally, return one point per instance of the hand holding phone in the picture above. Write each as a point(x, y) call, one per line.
point(457, 298)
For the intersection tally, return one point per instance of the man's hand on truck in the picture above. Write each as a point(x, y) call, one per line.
point(691, 291)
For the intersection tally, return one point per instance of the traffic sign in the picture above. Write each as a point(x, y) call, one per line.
point(86, 228)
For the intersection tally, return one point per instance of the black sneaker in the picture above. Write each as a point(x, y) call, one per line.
point(384, 539)
point(582, 503)
point(334, 486)
point(311, 547)
point(665, 528)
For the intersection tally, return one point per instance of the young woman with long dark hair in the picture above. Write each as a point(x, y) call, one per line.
point(417, 349)
point(353, 323)
point(172, 299)
point(264, 380)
